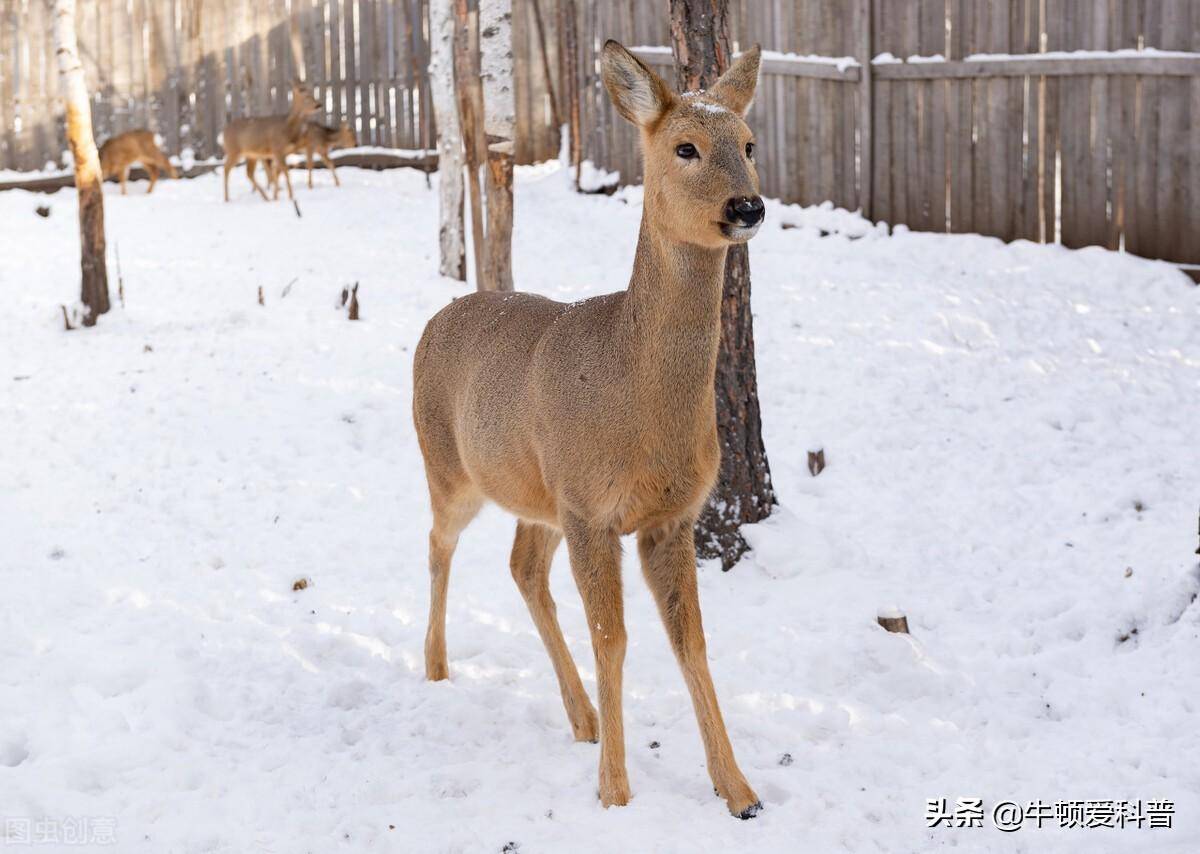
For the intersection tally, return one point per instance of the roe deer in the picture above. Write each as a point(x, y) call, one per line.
point(267, 138)
point(134, 146)
point(595, 419)
point(321, 139)
point(318, 138)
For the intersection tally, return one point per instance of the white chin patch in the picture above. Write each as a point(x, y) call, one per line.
point(740, 232)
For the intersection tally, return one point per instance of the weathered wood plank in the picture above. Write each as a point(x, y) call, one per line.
point(1166, 66)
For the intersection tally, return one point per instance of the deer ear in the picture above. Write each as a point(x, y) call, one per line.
point(735, 88)
point(638, 93)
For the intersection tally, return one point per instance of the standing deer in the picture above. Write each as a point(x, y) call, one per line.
point(134, 146)
point(595, 419)
point(319, 139)
point(267, 138)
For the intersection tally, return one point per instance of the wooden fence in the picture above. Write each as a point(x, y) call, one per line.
point(184, 67)
point(1022, 142)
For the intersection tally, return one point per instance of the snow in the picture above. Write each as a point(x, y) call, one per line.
point(839, 62)
point(1010, 439)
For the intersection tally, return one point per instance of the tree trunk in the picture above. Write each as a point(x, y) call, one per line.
point(743, 494)
point(88, 179)
point(555, 116)
point(469, 92)
point(451, 240)
point(569, 74)
point(499, 103)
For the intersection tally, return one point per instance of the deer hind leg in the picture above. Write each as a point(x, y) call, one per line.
point(596, 565)
point(124, 178)
point(533, 549)
point(308, 153)
point(251, 168)
point(669, 562)
point(453, 509)
point(333, 169)
point(281, 166)
point(228, 166)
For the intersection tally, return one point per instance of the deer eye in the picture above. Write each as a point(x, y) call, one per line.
point(750, 150)
point(687, 151)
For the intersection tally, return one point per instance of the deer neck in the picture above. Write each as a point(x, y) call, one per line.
point(294, 124)
point(673, 314)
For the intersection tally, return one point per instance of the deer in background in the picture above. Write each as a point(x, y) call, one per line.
point(321, 139)
point(267, 138)
point(595, 419)
point(120, 152)
point(316, 138)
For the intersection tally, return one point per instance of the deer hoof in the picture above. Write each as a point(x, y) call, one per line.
point(750, 811)
point(614, 794)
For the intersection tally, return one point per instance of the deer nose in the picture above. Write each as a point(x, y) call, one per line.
point(745, 210)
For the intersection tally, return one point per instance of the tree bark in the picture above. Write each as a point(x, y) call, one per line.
point(555, 116)
point(499, 104)
point(469, 92)
point(743, 494)
point(451, 241)
point(88, 180)
point(569, 73)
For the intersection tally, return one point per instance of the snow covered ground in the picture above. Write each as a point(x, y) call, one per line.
point(1010, 433)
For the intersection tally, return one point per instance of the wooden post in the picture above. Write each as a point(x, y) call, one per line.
point(470, 108)
point(866, 139)
point(569, 63)
point(88, 180)
point(743, 494)
point(555, 116)
point(499, 125)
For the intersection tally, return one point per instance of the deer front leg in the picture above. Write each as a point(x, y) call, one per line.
point(596, 564)
point(668, 557)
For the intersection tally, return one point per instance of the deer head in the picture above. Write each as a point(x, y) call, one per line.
point(701, 186)
point(303, 102)
point(345, 138)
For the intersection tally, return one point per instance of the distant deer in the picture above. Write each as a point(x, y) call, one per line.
point(321, 139)
point(267, 138)
point(120, 152)
point(594, 419)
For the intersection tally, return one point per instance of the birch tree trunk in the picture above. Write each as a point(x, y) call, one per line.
point(499, 123)
point(451, 241)
point(94, 293)
point(700, 41)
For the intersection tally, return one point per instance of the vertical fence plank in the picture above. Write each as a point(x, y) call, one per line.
point(7, 41)
point(1174, 95)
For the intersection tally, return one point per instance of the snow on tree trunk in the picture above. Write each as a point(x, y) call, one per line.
point(450, 143)
point(94, 294)
point(499, 104)
point(743, 494)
